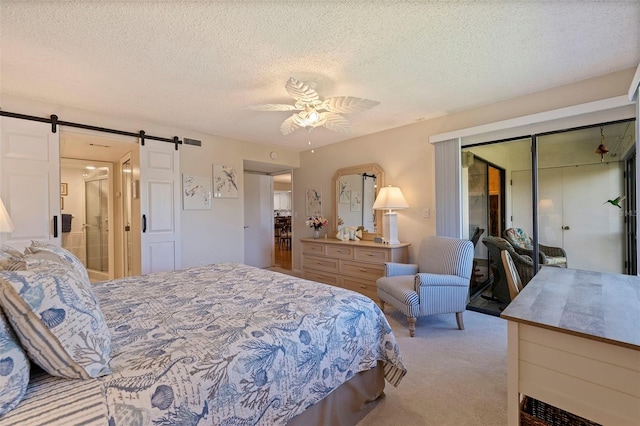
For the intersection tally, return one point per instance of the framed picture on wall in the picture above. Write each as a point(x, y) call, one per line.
point(196, 192)
point(64, 189)
point(225, 181)
point(314, 202)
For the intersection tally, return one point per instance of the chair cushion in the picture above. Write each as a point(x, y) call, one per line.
point(555, 260)
point(57, 319)
point(399, 292)
point(14, 368)
point(519, 238)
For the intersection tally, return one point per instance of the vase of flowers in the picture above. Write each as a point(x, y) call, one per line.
point(317, 223)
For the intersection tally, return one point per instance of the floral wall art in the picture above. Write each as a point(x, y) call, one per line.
point(196, 192)
point(314, 202)
point(225, 181)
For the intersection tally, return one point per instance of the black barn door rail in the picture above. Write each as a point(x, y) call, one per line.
point(53, 119)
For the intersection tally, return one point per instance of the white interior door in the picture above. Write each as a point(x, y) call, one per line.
point(31, 181)
point(258, 220)
point(594, 231)
point(160, 206)
point(573, 214)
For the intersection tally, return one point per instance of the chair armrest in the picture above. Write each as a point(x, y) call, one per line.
point(425, 279)
point(528, 252)
point(553, 251)
point(392, 269)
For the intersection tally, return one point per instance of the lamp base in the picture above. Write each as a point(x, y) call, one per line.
point(390, 227)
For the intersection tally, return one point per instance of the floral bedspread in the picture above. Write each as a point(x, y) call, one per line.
point(229, 344)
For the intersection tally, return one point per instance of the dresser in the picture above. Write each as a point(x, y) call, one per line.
point(354, 265)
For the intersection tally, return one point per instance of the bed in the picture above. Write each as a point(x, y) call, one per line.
point(223, 344)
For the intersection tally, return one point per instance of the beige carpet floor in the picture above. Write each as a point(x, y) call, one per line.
point(453, 377)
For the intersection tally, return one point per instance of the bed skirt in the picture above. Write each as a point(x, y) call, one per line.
point(348, 403)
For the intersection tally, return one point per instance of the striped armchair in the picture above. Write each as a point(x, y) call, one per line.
point(437, 284)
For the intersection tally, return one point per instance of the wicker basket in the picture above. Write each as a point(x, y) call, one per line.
point(538, 413)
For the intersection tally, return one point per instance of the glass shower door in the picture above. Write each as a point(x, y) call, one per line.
point(96, 226)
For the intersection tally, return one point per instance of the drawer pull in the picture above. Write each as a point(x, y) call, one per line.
point(371, 254)
point(363, 286)
point(319, 263)
point(363, 270)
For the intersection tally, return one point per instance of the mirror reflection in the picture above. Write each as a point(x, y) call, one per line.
point(355, 190)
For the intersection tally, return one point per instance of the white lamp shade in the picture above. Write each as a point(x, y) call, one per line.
point(390, 198)
point(6, 225)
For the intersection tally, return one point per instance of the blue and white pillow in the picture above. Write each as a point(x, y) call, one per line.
point(65, 255)
point(57, 320)
point(14, 368)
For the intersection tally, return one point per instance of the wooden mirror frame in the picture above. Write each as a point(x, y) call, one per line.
point(372, 169)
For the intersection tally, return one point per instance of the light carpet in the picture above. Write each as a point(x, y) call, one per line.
point(453, 377)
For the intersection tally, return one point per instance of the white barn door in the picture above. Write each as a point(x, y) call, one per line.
point(160, 206)
point(30, 189)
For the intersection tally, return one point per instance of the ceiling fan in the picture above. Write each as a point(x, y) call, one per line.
point(315, 112)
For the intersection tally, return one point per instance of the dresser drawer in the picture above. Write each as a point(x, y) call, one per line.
point(343, 252)
point(321, 277)
point(320, 263)
point(366, 287)
point(367, 254)
point(313, 248)
point(369, 271)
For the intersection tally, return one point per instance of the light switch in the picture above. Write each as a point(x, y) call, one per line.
point(426, 213)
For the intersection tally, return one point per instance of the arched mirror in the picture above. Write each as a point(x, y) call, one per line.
point(354, 192)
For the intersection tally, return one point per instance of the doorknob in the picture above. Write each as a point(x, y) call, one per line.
point(565, 228)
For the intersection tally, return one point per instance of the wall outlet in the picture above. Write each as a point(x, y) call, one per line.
point(426, 213)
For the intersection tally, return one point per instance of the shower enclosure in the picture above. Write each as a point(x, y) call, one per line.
point(97, 226)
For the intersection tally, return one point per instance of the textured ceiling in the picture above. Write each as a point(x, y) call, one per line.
point(195, 65)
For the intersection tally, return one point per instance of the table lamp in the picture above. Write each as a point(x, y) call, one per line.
point(390, 198)
point(6, 225)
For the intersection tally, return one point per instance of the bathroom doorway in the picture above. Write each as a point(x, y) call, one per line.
point(92, 198)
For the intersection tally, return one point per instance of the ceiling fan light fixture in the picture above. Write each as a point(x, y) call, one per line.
point(308, 118)
point(310, 105)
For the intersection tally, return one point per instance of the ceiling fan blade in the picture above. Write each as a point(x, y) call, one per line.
point(301, 91)
point(336, 122)
point(289, 125)
point(272, 107)
point(348, 104)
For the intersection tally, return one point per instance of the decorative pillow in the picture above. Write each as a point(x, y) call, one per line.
point(9, 257)
point(57, 320)
point(14, 368)
point(66, 255)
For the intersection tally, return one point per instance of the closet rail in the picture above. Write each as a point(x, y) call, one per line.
point(53, 119)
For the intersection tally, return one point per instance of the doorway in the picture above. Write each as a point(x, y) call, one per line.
point(282, 231)
point(485, 188)
point(90, 166)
